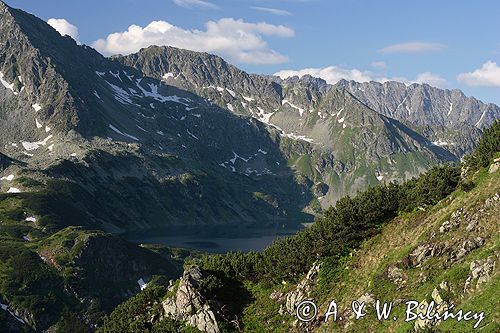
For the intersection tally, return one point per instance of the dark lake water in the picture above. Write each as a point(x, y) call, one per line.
point(217, 244)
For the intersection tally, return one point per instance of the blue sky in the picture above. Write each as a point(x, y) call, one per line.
point(451, 44)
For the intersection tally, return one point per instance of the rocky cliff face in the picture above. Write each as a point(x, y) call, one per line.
point(189, 305)
point(184, 122)
point(343, 137)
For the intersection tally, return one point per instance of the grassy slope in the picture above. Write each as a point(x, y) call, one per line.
point(364, 272)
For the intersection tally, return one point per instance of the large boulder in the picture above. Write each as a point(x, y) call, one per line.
point(189, 305)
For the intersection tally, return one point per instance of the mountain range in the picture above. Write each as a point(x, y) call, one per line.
point(181, 141)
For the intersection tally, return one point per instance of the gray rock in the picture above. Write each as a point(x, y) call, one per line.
point(424, 252)
point(396, 275)
point(466, 246)
point(481, 272)
point(302, 290)
point(189, 306)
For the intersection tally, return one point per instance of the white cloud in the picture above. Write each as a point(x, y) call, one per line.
point(431, 79)
point(487, 75)
point(64, 28)
point(195, 4)
point(413, 47)
point(236, 40)
point(275, 11)
point(379, 65)
point(333, 74)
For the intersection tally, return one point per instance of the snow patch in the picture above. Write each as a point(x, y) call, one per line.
point(38, 125)
point(192, 135)
point(301, 111)
point(9, 178)
point(30, 219)
point(142, 284)
point(236, 156)
point(5, 307)
point(230, 107)
point(120, 94)
point(231, 92)
point(248, 99)
point(7, 85)
point(341, 120)
point(157, 96)
point(451, 108)
point(116, 75)
point(298, 137)
point(441, 143)
point(37, 107)
point(35, 145)
point(116, 130)
point(13, 190)
point(402, 102)
point(167, 76)
point(480, 119)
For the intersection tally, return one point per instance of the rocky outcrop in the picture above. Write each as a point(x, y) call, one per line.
point(494, 166)
point(424, 252)
point(301, 291)
point(396, 275)
point(453, 222)
point(189, 305)
point(481, 272)
point(439, 306)
point(463, 248)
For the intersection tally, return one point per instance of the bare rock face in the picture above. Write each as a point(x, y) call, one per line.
point(396, 275)
point(467, 246)
point(301, 292)
point(481, 271)
point(189, 305)
point(424, 252)
point(495, 166)
point(453, 222)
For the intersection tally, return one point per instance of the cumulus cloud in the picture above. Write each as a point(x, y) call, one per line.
point(236, 40)
point(333, 74)
point(431, 79)
point(275, 11)
point(195, 4)
point(64, 28)
point(488, 75)
point(413, 47)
